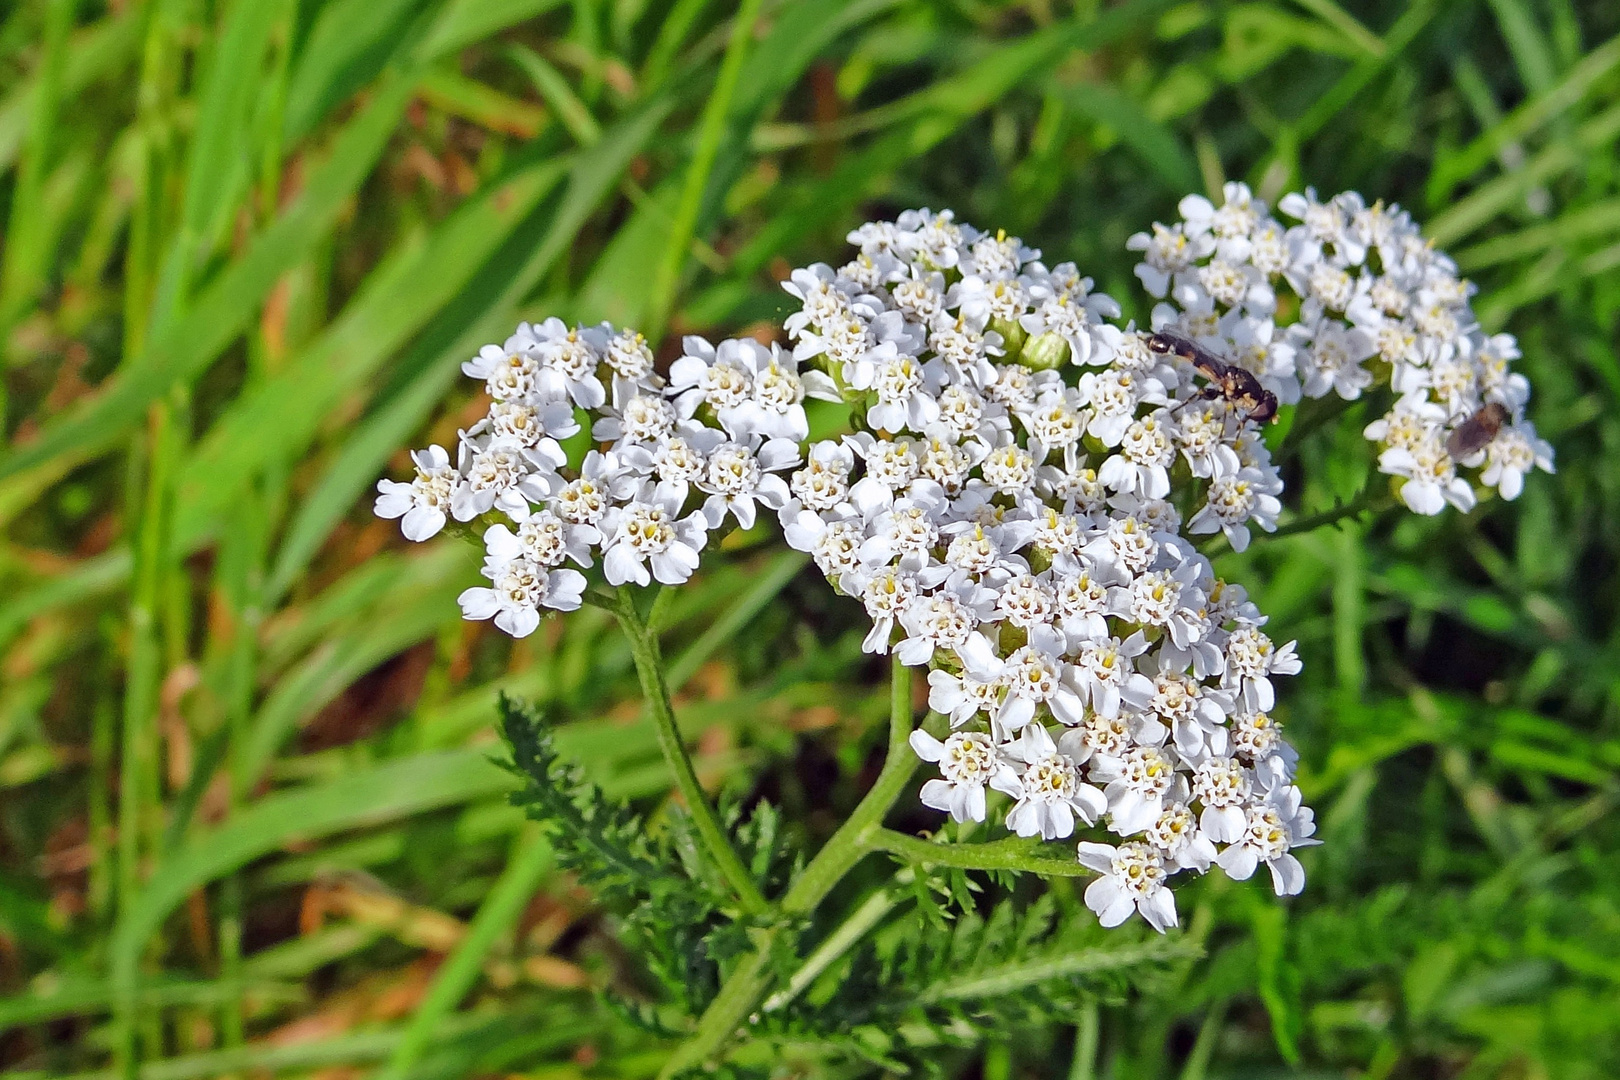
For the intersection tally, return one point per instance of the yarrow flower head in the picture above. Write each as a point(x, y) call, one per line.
point(1016, 497)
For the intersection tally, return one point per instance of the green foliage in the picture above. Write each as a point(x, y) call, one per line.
point(966, 980)
point(675, 920)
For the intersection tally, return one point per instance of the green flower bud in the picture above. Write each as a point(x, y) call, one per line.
point(1045, 352)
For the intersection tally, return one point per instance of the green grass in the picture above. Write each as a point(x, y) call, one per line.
point(244, 788)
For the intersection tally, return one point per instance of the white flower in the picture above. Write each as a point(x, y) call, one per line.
point(1249, 495)
point(1192, 712)
point(500, 474)
point(1132, 881)
point(937, 621)
point(737, 477)
point(1106, 678)
point(1180, 841)
point(1431, 477)
point(569, 358)
point(641, 419)
point(1010, 521)
point(424, 501)
point(1009, 470)
point(1138, 783)
point(1223, 786)
point(544, 539)
point(1143, 463)
point(967, 763)
point(835, 545)
point(1329, 357)
point(521, 588)
point(963, 697)
point(631, 361)
point(1168, 251)
point(1169, 599)
point(508, 373)
point(643, 532)
point(886, 594)
point(892, 469)
point(1512, 454)
point(535, 425)
point(905, 532)
point(1257, 741)
point(1051, 794)
point(905, 398)
point(1270, 830)
point(1251, 659)
point(1031, 678)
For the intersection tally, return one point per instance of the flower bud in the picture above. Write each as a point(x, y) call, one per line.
point(1045, 352)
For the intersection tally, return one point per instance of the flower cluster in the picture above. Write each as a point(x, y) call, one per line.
point(1006, 513)
point(1367, 302)
point(673, 460)
point(1016, 495)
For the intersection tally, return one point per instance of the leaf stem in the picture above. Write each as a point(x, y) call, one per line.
point(1370, 499)
point(854, 839)
point(1010, 854)
point(746, 986)
point(655, 688)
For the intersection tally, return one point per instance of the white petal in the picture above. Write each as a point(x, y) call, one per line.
point(478, 603)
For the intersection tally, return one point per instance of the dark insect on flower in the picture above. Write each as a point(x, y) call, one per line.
point(1476, 432)
point(1230, 381)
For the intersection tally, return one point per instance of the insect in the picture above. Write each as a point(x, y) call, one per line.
point(1476, 432)
point(1236, 384)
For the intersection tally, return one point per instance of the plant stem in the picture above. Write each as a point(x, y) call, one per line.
point(1084, 1064)
point(1010, 854)
point(854, 839)
point(1369, 500)
point(837, 943)
point(746, 985)
point(1310, 415)
point(654, 687)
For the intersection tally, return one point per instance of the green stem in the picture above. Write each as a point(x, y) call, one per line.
point(1010, 854)
point(855, 838)
point(840, 941)
point(1370, 499)
point(655, 688)
point(712, 128)
point(1084, 1064)
point(747, 985)
point(1312, 414)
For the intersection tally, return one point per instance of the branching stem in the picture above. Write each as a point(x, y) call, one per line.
point(654, 687)
point(747, 985)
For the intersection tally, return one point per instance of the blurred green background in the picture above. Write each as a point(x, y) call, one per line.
point(244, 737)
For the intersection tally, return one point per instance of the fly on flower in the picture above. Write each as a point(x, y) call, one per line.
point(1237, 385)
point(1476, 432)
